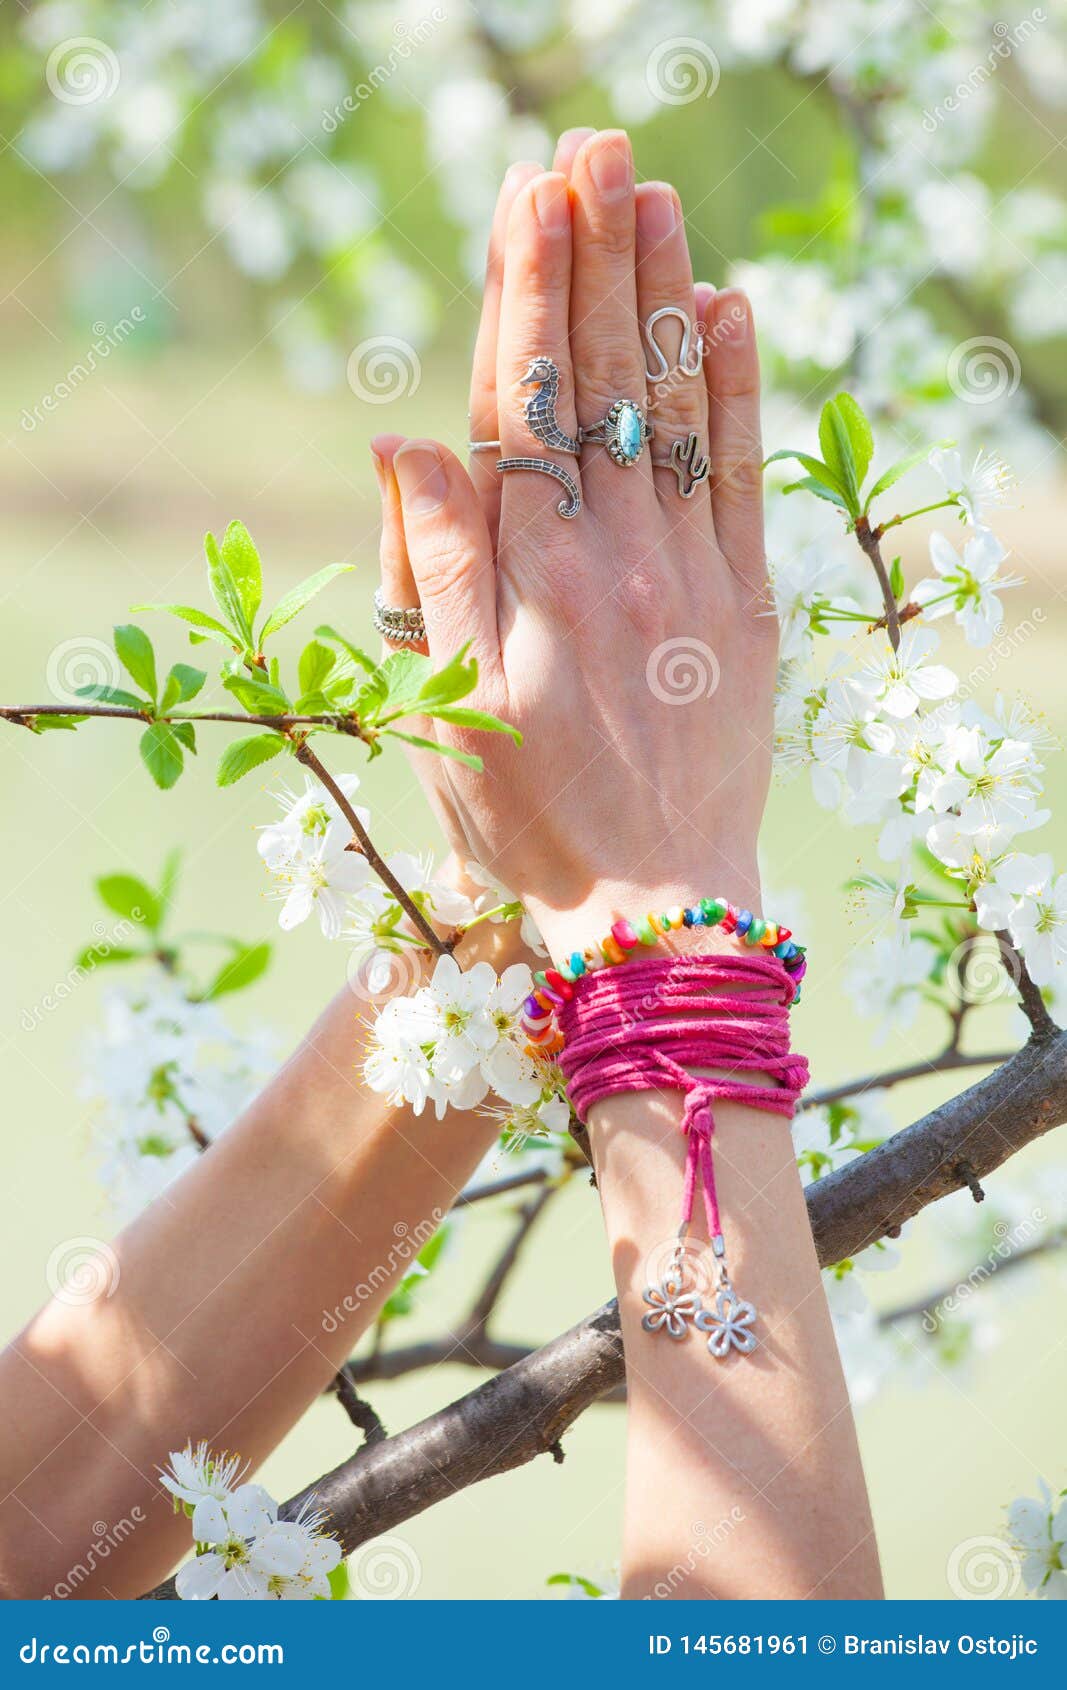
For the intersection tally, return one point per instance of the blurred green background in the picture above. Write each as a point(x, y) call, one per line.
point(192, 422)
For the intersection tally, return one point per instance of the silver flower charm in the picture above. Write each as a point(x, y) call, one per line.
point(670, 1308)
point(729, 1324)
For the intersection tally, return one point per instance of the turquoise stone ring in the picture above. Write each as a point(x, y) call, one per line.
point(623, 431)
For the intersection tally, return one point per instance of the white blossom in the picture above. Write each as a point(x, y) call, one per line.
point(1038, 1529)
point(979, 490)
point(967, 586)
point(900, 680)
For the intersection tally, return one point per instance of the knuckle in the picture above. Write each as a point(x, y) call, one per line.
point(739, 473)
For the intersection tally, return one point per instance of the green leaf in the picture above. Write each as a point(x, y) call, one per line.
point(294, 601)
point(111, 695)
point(896, 578)
point(226, 592)
point(212, 628)
point(355, 652)
point(131, 898)
point(339, 1582)
point(161, 752)
point(242, 560)
point(244, 755)
point(246, 965)
point(859, 433)
point(910, 460)
point(186, 732)
point(815, 468)
point(316, 661)
point(587, 1585)
point(96, 956)
point(808, 484)
point(182, 684)
point(462, 716)
point(466, 757)
point(136, 656)
point(456, 680)
point(54, 724)
point(835, 439)
point(259, 698)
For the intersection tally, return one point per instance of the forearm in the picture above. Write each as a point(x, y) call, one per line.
point(238, 1295)
point(743, 1474)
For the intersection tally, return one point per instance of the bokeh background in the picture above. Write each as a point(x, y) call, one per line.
point(296, 273)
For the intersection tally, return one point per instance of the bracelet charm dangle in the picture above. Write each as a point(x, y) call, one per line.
point(729, 1321)
point(671, 1307)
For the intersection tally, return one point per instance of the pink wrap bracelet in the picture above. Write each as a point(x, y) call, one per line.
point(645, 1028)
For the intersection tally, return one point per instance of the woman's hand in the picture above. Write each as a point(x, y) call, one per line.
point(632, 645)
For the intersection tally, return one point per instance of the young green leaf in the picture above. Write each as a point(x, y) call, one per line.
point(131, 898)
point(836, 442)
point(462, 716)
point(358, 656)
point(896, 578)
point(466, 757)
point(246, 754)
point(808, 484)
point(239, 554)
point(817, 470)
point(226, 592)
point(54, 724)
point(259, 698)
point(444, 686)
point(394, 686)
point(889, 477)
point(186, 732)
point(111, 695)
point(210, 627)
point(162, 754)
point(136, 656)
point(96, 956)
point(246, 965)
point(294, 601)
point(168, 880)
point(182, 683)
point(316, 661)
point(859, 433)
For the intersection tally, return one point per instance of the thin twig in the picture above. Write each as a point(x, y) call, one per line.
point(981, 1274)
point(949, 1059)
point(868, 538)
point(21, 715)
point(1033, 1004)
point(359, 1411)
point(441, 947)
point(529, 1214)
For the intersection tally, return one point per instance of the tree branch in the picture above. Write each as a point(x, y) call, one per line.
point(524, 1412)
point(1033, 1004)
point(22, 714)
point(868, 538)
point(441, 947)
point(983, 1273)
point(949, 1060)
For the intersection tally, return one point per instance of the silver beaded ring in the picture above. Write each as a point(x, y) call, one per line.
point(398, 623)
point(624, 431)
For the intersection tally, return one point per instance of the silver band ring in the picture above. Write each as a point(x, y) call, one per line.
point(689, 464)
point(624, 431)
point(483, 446)
point(402, 624)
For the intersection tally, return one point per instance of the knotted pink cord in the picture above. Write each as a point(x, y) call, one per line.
point(642, 1027)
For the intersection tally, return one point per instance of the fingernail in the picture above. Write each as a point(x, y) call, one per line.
point(550, 204)
point(422, 478)
point(379, 471)
point(733, 310)
point(611, 165)
point(657, 210)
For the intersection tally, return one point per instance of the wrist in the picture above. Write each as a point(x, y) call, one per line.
point(581, 924)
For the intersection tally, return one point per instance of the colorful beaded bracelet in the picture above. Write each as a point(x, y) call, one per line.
point(555, 986)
